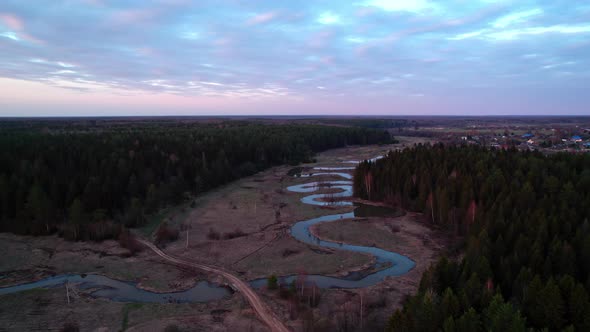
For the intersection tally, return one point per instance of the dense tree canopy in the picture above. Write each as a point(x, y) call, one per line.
point(523, 217)
point(84, 180)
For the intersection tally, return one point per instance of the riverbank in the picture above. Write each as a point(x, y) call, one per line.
point(408, 235)
point(35, 258)
point(48, 310)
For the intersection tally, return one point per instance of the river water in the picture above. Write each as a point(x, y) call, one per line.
point(101, 286)
point(387, 263)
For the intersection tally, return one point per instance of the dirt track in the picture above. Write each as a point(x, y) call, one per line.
point(261, 309)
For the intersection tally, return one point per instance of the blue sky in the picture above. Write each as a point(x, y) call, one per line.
point(107, 57)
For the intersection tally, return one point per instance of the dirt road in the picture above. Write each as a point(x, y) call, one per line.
point(263, 312)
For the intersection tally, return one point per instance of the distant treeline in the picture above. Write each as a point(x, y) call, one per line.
point(87, 181)
point(524, 217)
point(371, 123)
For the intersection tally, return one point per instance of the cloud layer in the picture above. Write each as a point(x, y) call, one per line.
point(314, 57)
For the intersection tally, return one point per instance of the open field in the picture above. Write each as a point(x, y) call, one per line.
point(43, 309)
point(34, 258)
point(263, 210)
point(335, 156)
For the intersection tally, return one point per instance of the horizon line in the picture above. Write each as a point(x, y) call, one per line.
point(2, 117)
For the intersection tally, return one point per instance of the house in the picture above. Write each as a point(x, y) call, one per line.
point(528, 135)
point(530, 141)
point(576, 139)
point(587, 145)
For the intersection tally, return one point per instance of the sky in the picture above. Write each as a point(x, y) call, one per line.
point(242, 57)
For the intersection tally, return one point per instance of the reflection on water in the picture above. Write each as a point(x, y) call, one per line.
point(360, 161)
point(344, 175)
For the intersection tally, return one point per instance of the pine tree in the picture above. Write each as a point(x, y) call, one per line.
point(38, 208)
point(552, 306)
point(450, 304)
point(579, 308)
point(501, 316)
point(449, 325)
point(469, 322)
point(77, 217)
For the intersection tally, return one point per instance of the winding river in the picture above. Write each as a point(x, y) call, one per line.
point(387, 263)
point(100, 286)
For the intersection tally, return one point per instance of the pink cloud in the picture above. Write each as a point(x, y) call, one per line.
point(327, 60)
point(432, 60)
point(365, 11)
point(146, 51)
point(222, 41)
point(434, 27)
point(29, 38)
point(94, 2)
point(12, 21)
point(16, 24)
point(320, 39)
point(131, 16)
point(262, 18)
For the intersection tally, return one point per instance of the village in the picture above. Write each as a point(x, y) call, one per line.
point(544, 135)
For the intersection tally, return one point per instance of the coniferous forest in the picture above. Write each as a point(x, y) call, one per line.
point(522, 230)
point(86, 181)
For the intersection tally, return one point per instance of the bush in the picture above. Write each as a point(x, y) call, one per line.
point(232, 235)
point(272, 282)
point(213, 234)
point(70, 327)
point(166, 234)
point(102, 230)
point(288, 252)
point(128, 241)
point(377, 301)
point(284, 292)
point(172, 328)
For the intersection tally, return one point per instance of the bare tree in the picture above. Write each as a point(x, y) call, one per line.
point(361, 308)
point(300, 282)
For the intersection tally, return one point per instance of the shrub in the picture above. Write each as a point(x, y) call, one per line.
point(284, 292)
point(272, 282)
point(128, 241)
point(213, 234)
point(166, 234)
point(288, 252)
point(70, 327)
point(232, 235)
point(102, 230)
point(172, 328)
point(395, 228)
